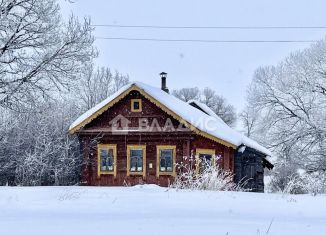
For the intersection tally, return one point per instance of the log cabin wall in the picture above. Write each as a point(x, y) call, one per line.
point(224, 153)
point(98, 132)
point(90, 176)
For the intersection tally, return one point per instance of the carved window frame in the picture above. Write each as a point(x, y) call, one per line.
point(140, 109)
point(112, 147)
point(158, 159)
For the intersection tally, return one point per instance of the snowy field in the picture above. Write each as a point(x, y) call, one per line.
point(154, 210)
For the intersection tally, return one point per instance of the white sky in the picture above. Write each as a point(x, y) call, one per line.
point(227, 68)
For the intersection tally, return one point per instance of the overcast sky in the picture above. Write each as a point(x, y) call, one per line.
point(225, 67)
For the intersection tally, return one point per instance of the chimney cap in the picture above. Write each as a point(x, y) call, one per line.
point(163, 74)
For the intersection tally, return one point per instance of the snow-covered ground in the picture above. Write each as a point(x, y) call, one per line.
point(153, 210)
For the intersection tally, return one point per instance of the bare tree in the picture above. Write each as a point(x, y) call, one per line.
point(219, 105)
point(39, 53)
point(120, 80)
point(187, 94)
point(47, 80)
point(249, 118)
point(97, 84)
point(209, 97)
point(292, 105)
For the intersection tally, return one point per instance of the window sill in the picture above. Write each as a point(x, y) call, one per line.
point(107, 173)
point(136, 173)
point(166, 174)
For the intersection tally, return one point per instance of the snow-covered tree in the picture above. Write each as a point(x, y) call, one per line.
point(219, 105)
point(41, 58)
point(249, 119)
point(187, 94)
point(35, 148)
point(97, 84)
point(209, 97)
point(289, 100)
point(39, 52)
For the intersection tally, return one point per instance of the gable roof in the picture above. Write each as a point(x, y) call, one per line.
point(203, 124)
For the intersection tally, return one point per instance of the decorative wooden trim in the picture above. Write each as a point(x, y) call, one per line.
point(158, 104)
point(140, 106)
point(162, 147)
point(142, 147)
point(204, 151)
point(101, 110)
point(106, 146)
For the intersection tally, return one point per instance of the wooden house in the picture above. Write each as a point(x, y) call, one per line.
point(138, 134)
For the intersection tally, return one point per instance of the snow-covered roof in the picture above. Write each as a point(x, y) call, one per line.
point(206, 109)
point(210, 125)
point(246, 141)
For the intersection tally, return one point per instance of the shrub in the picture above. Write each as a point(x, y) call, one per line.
point(203, 175)
point(286, 179)
point(315, 182)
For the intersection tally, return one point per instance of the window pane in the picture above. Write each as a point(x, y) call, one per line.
point(136, 160)
point(110, 160)
point(104, 155)
point(136, 153)
point(166, 153)
point(205, 158)
point(162, 164)
point(169, 165)
point(139, 164)
point(133, 164)
point(136, 105)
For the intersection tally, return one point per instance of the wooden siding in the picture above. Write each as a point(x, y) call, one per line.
point(97, 132)
point(149, 111)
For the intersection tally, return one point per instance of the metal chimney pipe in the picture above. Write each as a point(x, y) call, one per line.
point(163, 82)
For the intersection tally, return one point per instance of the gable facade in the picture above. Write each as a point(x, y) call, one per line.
point(151, 130)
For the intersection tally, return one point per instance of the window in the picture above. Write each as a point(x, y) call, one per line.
point(166, 161)
point(136, 105)
point(165, 164)
point(204, 159)
point(106, 159)
point(136, 160)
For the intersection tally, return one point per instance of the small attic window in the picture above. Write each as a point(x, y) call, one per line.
point(136, 105)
